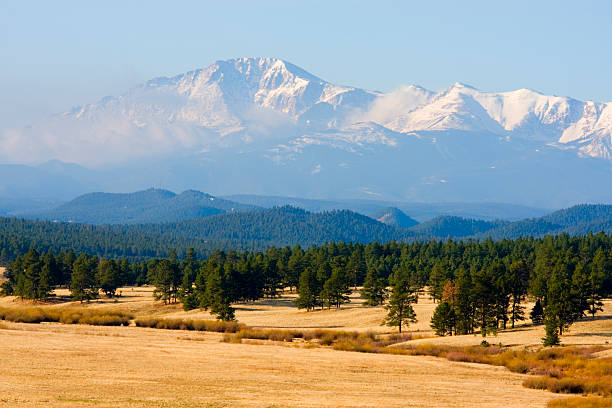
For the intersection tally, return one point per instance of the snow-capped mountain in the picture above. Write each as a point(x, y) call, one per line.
point(275, 116)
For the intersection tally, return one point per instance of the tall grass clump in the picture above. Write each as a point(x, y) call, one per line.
point(581, 402)
point(65, 316)
point(567, 370)
point(189, 324)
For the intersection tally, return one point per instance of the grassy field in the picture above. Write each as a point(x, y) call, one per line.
point(57, 365)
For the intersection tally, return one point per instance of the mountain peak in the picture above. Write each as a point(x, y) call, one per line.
point(230, 125)
point(461, 85)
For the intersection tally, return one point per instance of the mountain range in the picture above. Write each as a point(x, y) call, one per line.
point(265, 126)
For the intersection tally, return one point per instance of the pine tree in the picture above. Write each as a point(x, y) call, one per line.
point(216, 296)
point(562, 303)
point(400, 310)
point(108, 277)
point(484, 295)
point(162, 279)
point(83, 279)
point(308, 295)
point(465, 306)
point(518, 279)
point(552, 325)
point(295, 267)
point(437, 280)
point(188, 280)
point(272, 277)
point(595, 282)
point(356, 267)
point(374, 291)
point(537, 313)
point(45, 283)
point(336, 289)
point(443, 319)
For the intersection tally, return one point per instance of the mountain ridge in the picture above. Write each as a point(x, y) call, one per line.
point(146, 206)
point(249, 125)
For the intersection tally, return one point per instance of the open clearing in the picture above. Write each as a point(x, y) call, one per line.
point(56, 365)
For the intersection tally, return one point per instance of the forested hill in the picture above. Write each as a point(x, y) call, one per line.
point(577, 220)
point(148, 206)
point(395, 217)
point(282, 226)
point(285, 226)
point(455, 227)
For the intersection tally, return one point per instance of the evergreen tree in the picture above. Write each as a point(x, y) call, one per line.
point(595, 282)
point(54, 270)
point(45, 283)
point(108, 277)
point(562, 306)
point(356, 267)
point(295, 267)
point(485, 299)
point(374, 291)
point(518, 280)
point(189, 277)
point(437, 280)
point(83, 280)
point(537, 313)
point(400, 310)
point(552, 325)
point(216, 295)
point(162, 279)
point(308, 295)
point(443, 320)
point(175, 275)
point(272, 277)
point(465, 306)
point(336, 289)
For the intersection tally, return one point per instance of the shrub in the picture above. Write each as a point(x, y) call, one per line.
point(197, 325)
point(66, 316)
point(581, 402)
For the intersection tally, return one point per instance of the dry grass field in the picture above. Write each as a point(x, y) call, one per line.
point(55, 365)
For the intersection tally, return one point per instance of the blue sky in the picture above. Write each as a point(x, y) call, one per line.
point(54, 55)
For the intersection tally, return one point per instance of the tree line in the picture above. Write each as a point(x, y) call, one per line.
point(479, 285)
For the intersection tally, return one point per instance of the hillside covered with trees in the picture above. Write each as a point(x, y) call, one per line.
point(148, 206)
point(239, 231)
point(283, 226)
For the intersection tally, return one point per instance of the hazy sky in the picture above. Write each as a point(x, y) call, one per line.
point(54, 55)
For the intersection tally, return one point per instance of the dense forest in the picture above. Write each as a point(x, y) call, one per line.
point(239, 231)
point(479, 285)
point(283, 226)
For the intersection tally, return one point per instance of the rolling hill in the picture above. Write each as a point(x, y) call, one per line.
point(148, 206)
point(576, 220)
point(455, 227)
point(395, 217)
point(256, 230)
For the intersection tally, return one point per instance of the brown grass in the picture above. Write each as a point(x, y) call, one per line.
point(55, 366)
point(581, 402)
point(188, 324)
point(65, 316)
point(566, 370)
point(297, 363)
